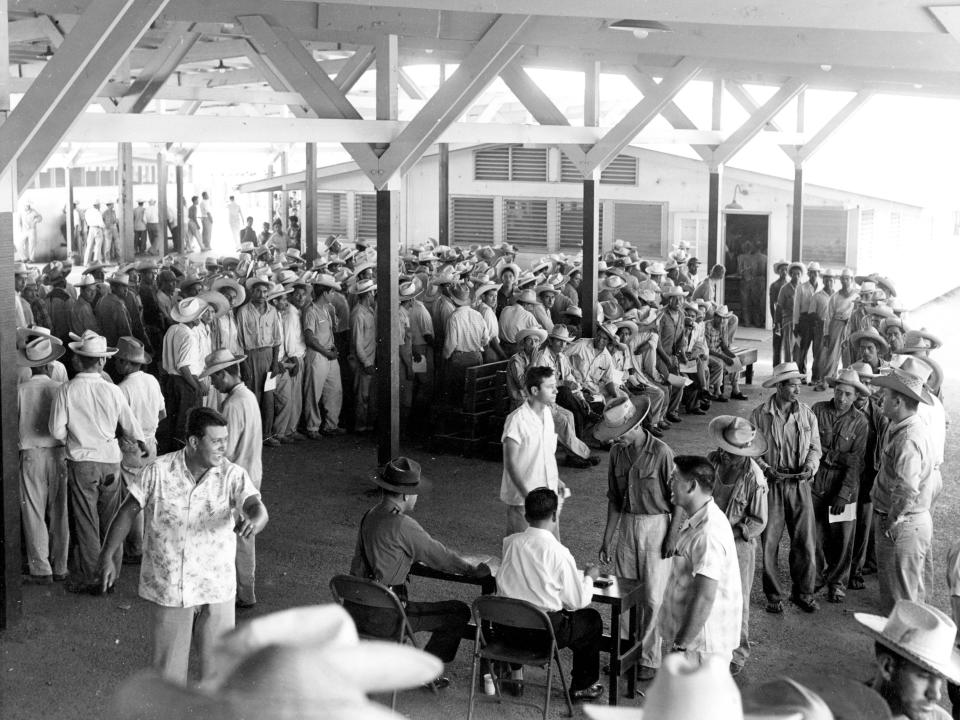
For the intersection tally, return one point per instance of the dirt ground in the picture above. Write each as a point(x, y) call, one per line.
point(66, 655)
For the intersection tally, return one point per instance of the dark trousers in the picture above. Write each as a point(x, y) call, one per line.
point(834, 546)
point(790, 505)
point(953, 692)
point(180, 399)
point(447, 620)
point(254, 373)
point(455, 376)
point(575, 403)
point(93, 497)
point(777, 345)
point(864, 553)
point(810, 330)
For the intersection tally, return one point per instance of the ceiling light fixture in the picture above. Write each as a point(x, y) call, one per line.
point(734, 205)
point(826, 68)
point(220, 67)
point(640, 28)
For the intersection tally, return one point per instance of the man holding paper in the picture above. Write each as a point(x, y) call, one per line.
point(260, 334)
point(843, 441)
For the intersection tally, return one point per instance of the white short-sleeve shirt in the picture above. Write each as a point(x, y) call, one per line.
point(537, 439)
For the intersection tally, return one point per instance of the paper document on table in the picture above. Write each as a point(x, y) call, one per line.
point(420, 366)
point(270, 383)
point(849, 513)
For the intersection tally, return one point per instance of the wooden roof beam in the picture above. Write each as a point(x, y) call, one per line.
point(164, 62)
point(806, 151)
point(354, 68)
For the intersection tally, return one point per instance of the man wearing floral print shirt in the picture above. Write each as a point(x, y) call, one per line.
point(192, 499)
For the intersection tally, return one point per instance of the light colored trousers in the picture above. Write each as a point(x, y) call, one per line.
point(639, 556)
point(567, 433)
point(322, 385)
point(94, 250)
point(288, 402)
point(365, 402)
point(175, 627)
point(901, 559)
point(43, 492)
point(746, 560)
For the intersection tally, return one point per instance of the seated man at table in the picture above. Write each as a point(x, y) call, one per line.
point(388, 543)
point(537, 568)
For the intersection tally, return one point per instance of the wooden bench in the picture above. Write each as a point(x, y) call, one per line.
point(474, 430)
point(747, 356)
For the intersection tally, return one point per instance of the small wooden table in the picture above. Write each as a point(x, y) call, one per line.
point(622, 595)
point(748, 356)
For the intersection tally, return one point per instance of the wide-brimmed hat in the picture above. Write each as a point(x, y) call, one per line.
point(920, 633)
point(132, 350)
point(779, 264)
point(573, 311)
point(814, 266)
point(673, 291)
point(277, 290)
point(445, 277)
point(796, 264)
point(188, 310)
point(723, 311)
point(535, 332)
point(189, 281)
point(85, 281)
point(21, 268)
point(737, 436)
point(545, 288)
point(401, 475)
point(825, 696)
point(560, 332)
point(610, 330)
point(287, 277)
point(867, 287)
point(849, 376)
point(92, 345)
point(460, 294)
point(909, 379)
point(216, 300)
point(487, 287)
point(509, 266)
point(409, 290)
point(629, 325)
point(864, 372)
point(119, 278)
point(218, 360)
point(891, 322)
point(240, 292)
point(527, 297)
point(325, 280)
point(884, 311)
point(26, 334)
point(871, 334)
point(613, 283)
point(782, 372)
point(919, 341)
point(255, 280)
point(620, 416)
point(39, 351)
point(365, 286)
point(656, 268)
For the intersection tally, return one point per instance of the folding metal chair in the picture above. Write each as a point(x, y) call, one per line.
point(494, 645)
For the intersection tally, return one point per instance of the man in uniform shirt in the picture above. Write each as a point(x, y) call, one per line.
point(195, 503)
point(780, 269)
point(389, 541)
point(322, 381)
point(843, 440)
point(363, 355)
point(904, 489)
point(789, 465)
point(463, 344)
point(244, 447)
point(86, 413)
point(182, 362)
point(260, 336)
point(806, 320)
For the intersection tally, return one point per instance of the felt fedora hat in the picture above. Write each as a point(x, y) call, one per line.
point(460, 294)
point(188, 310)
point(239, 291)
point(621, 415)
point(919, 632)
point(737, 436)
point(909, 379)
point(782, 372)
point(535, 332)
point(850, 377)
point(132, 350)
point(220, 359)
point(92, 345)
point(871, 334)
point(39, 351)
point(401, 475)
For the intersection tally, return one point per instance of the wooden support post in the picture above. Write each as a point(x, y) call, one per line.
point(181, 216)
point(284, 193)
point(796, 247)
point(444, 182)
point(125, 202)
point(72, 240)
point(714, 218)
point(388, 336)
point(308, 220)
point(591, 254)
point(162, 177)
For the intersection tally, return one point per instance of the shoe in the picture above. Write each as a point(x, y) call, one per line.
point(655, 431)
point(439, 683)
point(696, 411)
point(719, 398)
point(312, 435)
point(738, 396)
point(645, 673)
point(296, 436)
point(79, 588)
point(807, 605)
point(594, 460)
point(589, 693)
point(775, 607)
point(856, 583)
point(271, 442)
point(286, 440)
point(241, 605)
point(59, 578)
point(333, 432)
point(665, 424)
point(704, 405)
point(735, 669)
point(836, 595)
point(38, 579)
point(577, 462)
point(673, 417)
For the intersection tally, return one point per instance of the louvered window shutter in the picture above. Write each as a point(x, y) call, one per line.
point(471, 220)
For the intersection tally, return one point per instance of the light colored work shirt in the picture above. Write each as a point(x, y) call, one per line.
point(35, 398)
point(293, 343)
point(364, 335)
point(421, 324)
point(793, 437)
point(318, 320)
point(638, 478)
point(513, 319)
point(86, 412)
point(536, 453)
point(490, 322)
point(803, 300)
point(259, 328)
point(537, 568)
point(189, 547)
point(244, 431)
point(142, 392)
point(58, 373)
point(466, 332)
point(904, 480)
point(182, 348)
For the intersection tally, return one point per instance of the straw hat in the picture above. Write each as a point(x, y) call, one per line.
point(85, 281)
point(535, 332)
point(611, 310)
point(782, 372)
point(218, 360)
point(737, 436)
point(527, 297)
point(401, 475)
point(545, 288)
point(919, 632)
point(255, 280)
point(779, 264)
point(26, 334)
point(919, 340)
point(443, 278)
point(573, 311)
point(92, 345)
point(849, 376)
point(188, 310)
point(287, 277)
point(240, 292)
point(864, 372)
point(39, 351)
point(409, 290)
point(612, 283)
point(119, 278)
point(797, 264)
point(189, 282)
point(817, 697)
point(908, 379)
point(560, 332)
point(723, 311)
point(673, 291)
point(132, 350)
point(277, 290)
point(365, 286)
point(509, 266)
point(620, 416)
point(656, 268)
point(216, 300)
point(20, 268)
point(814, 267)
point(487, 287)
point(871, 334)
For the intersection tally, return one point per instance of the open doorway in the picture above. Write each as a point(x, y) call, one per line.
point(745, 257)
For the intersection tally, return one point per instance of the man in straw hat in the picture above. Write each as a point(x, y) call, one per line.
point(904, 489)
point(195, 503)
point(288, 395)
point(389, 541)
point(43, 469)
point(740, 492)
point(421, 348)
point(86, 413)
point(789, 464)
point(640, 514)
point(142, 392)
point(915, 652)
point(517, 317)
point(843, 441)
point(703, 603)
point(670, 346)
point(870, 347)
point(538, 569)
point(806, 321)
point(780, 269)
point(182, 361)
point(322, 379)
point(261, 336)
point(112, 312)
point(82, 315)
point(363, 355)
point(465, 339)
point(723, 362)
point(836, 347)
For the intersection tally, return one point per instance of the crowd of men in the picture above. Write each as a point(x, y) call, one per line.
point(178, 373)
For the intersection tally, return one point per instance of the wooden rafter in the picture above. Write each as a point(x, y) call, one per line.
point(756, 122)
point(164, 62)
